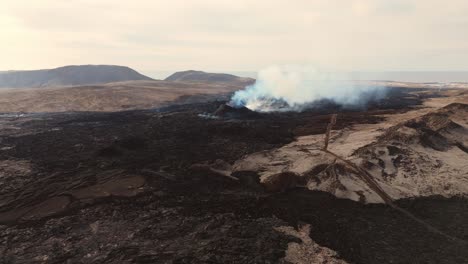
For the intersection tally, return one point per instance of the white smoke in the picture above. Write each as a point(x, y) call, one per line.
point(294, 88)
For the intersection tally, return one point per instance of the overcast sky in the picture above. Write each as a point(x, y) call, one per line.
point(217, 35)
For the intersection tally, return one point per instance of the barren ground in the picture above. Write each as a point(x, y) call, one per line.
point(111, 97)
point(122, 187)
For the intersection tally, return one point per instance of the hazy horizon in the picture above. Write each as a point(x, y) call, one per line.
point(401, 76)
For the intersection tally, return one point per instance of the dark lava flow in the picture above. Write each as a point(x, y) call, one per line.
point(75, 204)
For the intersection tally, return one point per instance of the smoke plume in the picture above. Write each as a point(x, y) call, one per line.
point(293, 88)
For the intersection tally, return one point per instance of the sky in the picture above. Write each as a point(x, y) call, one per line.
point(237, 35)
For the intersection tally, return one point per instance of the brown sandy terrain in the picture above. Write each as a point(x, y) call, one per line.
point(111, 97)
point(148, 94)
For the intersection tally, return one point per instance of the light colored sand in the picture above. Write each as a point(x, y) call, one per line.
point(422, 171)
point(308, 251)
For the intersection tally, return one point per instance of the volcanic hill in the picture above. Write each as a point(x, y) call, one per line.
point(69, 76)
point(200, 76)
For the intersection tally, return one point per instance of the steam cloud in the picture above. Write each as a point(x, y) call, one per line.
point(292, 88)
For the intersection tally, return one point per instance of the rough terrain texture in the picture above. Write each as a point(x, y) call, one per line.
point(422, 156)
point(150, 187)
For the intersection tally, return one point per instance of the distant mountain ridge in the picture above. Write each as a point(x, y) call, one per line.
point(200, 76)
point(69, 76)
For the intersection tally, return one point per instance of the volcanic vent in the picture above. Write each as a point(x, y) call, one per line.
point(295, 89)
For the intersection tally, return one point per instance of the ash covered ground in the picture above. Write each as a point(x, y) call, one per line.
point(136, 187)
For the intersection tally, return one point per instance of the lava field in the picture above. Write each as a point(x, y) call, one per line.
point(88, 187)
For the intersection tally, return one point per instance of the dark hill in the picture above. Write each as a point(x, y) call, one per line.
point(200, 76)
point(69, 75)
